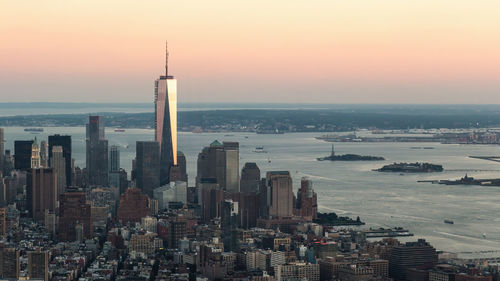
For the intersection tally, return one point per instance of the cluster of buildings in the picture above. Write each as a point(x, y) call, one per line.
point(99, 223)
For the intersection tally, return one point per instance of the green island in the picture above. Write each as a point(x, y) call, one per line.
point(332, 219)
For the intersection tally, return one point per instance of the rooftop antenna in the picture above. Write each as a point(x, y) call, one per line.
point(166, 59)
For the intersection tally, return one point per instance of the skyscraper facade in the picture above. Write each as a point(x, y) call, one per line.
point(22, 154)
point(250, 178)
point(35, 155)
point(2, 150)
point(166, 122)
point(221, 162)
point(41, 192)
point(58, 163)
point(38, 265)
point(97, 152)
point(65, 143)
point(147, 169)
point(307, 201)
point(114, 166)
point(75, 217)
point(279, 184)
point(44, 154)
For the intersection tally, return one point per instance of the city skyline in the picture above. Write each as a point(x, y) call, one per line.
point(335, 52)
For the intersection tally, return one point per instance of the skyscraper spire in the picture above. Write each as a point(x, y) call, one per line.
point(166, 58)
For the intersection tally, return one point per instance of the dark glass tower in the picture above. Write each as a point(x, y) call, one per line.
point(147, 169)
point(22, 154)
point(97, 152)
point(65, 143)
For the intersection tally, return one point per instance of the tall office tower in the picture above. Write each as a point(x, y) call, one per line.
point(133, 206)
point(2, 150)
point(9, 263)
point(38, 265)
point(3, 221)
point(279, 184)
point(229, 225)
point(41, 192)
point(177, 232)
point(58, 163)
point(307, 200)
point(232, 166)
point(97, 152)
point(44, 154)
point(418, 254)
point(75, 217)
point(250, 178)
point(166, 122)
point(147, 170)
point(22, 154)
point(181, 163)
point(35, 155)
point(123, 181)
point(221, 162)
point(3, 191)
point(114, 166)
point(65, 143)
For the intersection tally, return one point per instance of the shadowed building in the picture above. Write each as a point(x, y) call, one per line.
point(75, 217)
point(133, 206)
point(307, 200)
point(114, 166)
point(97, 152)
point(250, 178)
point(65, 143)
point(58, 163)
point(420, 255)
point(147, 170)
point(9, 263)
point(22, 154)
point(41, 192)
point(38, 265)
point(280, 192)
point(166, 122)
point(221, 162)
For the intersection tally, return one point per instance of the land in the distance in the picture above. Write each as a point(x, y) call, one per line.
point(279, 118)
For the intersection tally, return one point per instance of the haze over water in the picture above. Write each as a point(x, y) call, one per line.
point(352, 188)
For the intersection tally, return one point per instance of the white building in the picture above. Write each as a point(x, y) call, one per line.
point(174, 192)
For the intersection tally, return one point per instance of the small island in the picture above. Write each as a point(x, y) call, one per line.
point(349, 157)
point(411, 168)
point(331, 219)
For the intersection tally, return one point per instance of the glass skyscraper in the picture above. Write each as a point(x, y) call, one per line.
point(166, 122)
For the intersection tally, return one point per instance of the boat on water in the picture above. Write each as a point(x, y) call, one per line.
point(119, 130)
point(449, 221)
point(33, 130)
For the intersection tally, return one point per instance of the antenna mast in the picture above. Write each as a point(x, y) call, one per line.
point(166, 59)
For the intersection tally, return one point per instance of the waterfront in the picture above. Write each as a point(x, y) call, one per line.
point(352, 188)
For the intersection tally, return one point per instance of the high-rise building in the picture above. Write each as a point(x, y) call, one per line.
point(65, 143)
point(97, 152)
point(133, 206)
point(220, 162)
point(2, 149)
point(3, 221)
point(229, 225)
point(41, 192)
point(147, 171)
point(75, 217)
point(418, 254)
point(166, 122)
point(250, 178)
point(307, 200)
point(177, 232)
point(22, 154)
point(123, 181)
point(173, 192)
point(44, 154)
point(280, 190)
point(9, 263)
point(35, 155)
point(114, 166)
point(38, 265)
point(58, 163)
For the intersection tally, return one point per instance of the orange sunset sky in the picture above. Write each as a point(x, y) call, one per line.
point(349, 51)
